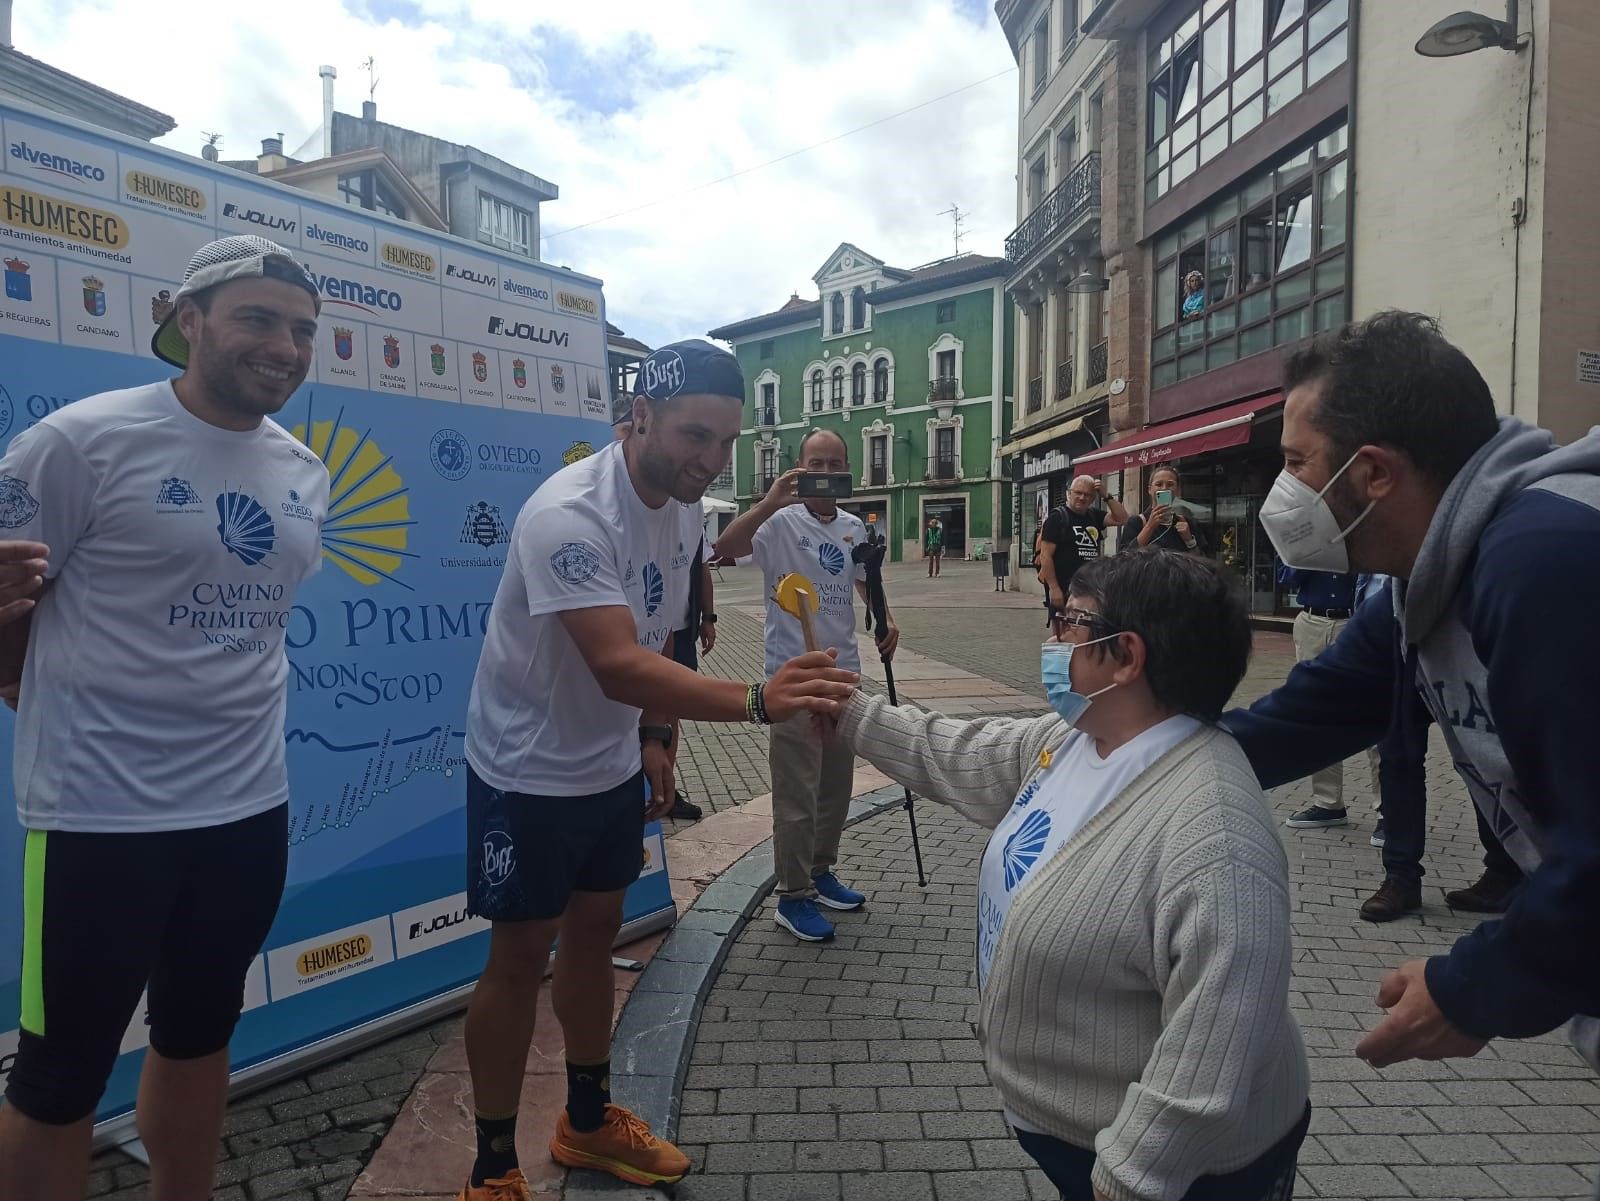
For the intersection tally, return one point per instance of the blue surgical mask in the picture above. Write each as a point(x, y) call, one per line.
point(1055, 670)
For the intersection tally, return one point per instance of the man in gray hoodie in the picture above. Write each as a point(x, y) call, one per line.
point(1395, 462)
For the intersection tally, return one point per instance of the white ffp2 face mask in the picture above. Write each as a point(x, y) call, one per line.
point(1301, 526)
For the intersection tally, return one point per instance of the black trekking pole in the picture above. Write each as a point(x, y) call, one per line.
point(871, 559)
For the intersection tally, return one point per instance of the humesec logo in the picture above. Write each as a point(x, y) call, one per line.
point(526, 291)
point(61, 164)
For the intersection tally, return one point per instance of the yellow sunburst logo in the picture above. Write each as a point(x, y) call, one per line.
point(369, 507)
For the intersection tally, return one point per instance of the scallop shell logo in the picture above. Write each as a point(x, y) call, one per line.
point(831, 558)
point(245, 527)
point(1025, 846)
point(369, 508)
point(654, 589)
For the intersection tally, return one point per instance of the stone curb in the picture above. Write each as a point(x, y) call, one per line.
point(662, 1015)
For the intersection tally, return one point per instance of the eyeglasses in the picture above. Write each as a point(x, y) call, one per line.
point(1082, 618)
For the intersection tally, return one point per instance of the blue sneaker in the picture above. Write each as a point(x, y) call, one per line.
point(835, 894)
point(799, 917)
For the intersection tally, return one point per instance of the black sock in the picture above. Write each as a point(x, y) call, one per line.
point(588, 1094)
point(497, 1147)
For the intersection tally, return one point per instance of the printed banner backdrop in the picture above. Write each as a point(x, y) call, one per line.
point(449, 383)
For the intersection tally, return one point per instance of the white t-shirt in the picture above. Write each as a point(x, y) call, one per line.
point(155, 684)
point(1053, 806)
point(538, 722)
point(795, 539)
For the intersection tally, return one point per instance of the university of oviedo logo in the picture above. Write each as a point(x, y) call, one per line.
point(391, 351)
point(344, 342)
point(176, 494)
point(436, 358)
point(655, 589)
point(17, 505)
point(519, 373)
point(484, 526)
point(558, 378)
point(245, 528)
point(296, 508)
point(831, 558)
point(450, 454)
point(18, 285)
point(575, 563)
point(480, 367)
point(94, 296)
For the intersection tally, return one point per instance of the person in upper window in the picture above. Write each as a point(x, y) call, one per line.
point(1194, 295)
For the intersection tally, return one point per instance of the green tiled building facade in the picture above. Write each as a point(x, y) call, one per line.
point(912, 368)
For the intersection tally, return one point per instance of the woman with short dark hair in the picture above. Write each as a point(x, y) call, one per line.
point(1133, 943)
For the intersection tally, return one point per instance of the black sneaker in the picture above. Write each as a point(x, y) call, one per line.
point(1315, 817)
point(1380, 834)
point(684, 809)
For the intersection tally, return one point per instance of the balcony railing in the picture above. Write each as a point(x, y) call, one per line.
point(763, 483)
point(1035, 394)
point(1063, 379)
point(1097, 365)
point(767, 415)
point(878, 475)
point(942, 388)
point(879, 395)
point(944, 468)
point(1070, 199)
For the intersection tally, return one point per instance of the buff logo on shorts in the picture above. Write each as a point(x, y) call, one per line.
point(499, 858)
point(575, 563)
point(17, 504)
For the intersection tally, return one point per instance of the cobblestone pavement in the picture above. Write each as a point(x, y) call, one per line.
point(850, 1071)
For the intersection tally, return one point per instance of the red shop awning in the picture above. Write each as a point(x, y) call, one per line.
point(1180, 438)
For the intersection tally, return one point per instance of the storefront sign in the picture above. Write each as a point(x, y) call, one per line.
point(1048, 463)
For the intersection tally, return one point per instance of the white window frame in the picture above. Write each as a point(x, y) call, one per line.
point(498, 224)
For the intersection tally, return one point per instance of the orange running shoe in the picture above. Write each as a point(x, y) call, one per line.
point(513, 1186)
point(622, 1146)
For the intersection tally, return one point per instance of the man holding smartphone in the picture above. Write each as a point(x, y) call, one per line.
point(787, 532)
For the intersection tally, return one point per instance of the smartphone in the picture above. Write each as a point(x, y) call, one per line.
point(826, 485)
point(1164, 497)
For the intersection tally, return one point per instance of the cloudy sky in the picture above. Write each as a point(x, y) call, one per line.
point(626, 105)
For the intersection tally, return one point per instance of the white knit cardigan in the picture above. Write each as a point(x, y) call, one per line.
point(1138, 1000)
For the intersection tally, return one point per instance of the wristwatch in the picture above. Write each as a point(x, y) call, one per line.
point(661, 734)
point(711, 617)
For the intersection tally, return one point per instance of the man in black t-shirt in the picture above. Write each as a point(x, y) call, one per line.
point(1072, 534)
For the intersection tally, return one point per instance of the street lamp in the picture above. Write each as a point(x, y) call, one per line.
point(1087, 284)
point(1464, 32)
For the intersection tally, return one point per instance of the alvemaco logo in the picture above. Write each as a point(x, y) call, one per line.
point(60, 164)
point(526, 291)
point(356, 294)
point(342, 241)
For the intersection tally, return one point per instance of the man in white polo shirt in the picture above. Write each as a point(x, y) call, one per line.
point(151, 686)
point(571, 715)
point(811, 776)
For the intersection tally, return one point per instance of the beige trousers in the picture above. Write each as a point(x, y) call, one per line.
point(811, 783)
point(1312, 636)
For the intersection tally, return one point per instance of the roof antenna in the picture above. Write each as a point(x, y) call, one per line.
point(958, 219)
point(370, 66)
